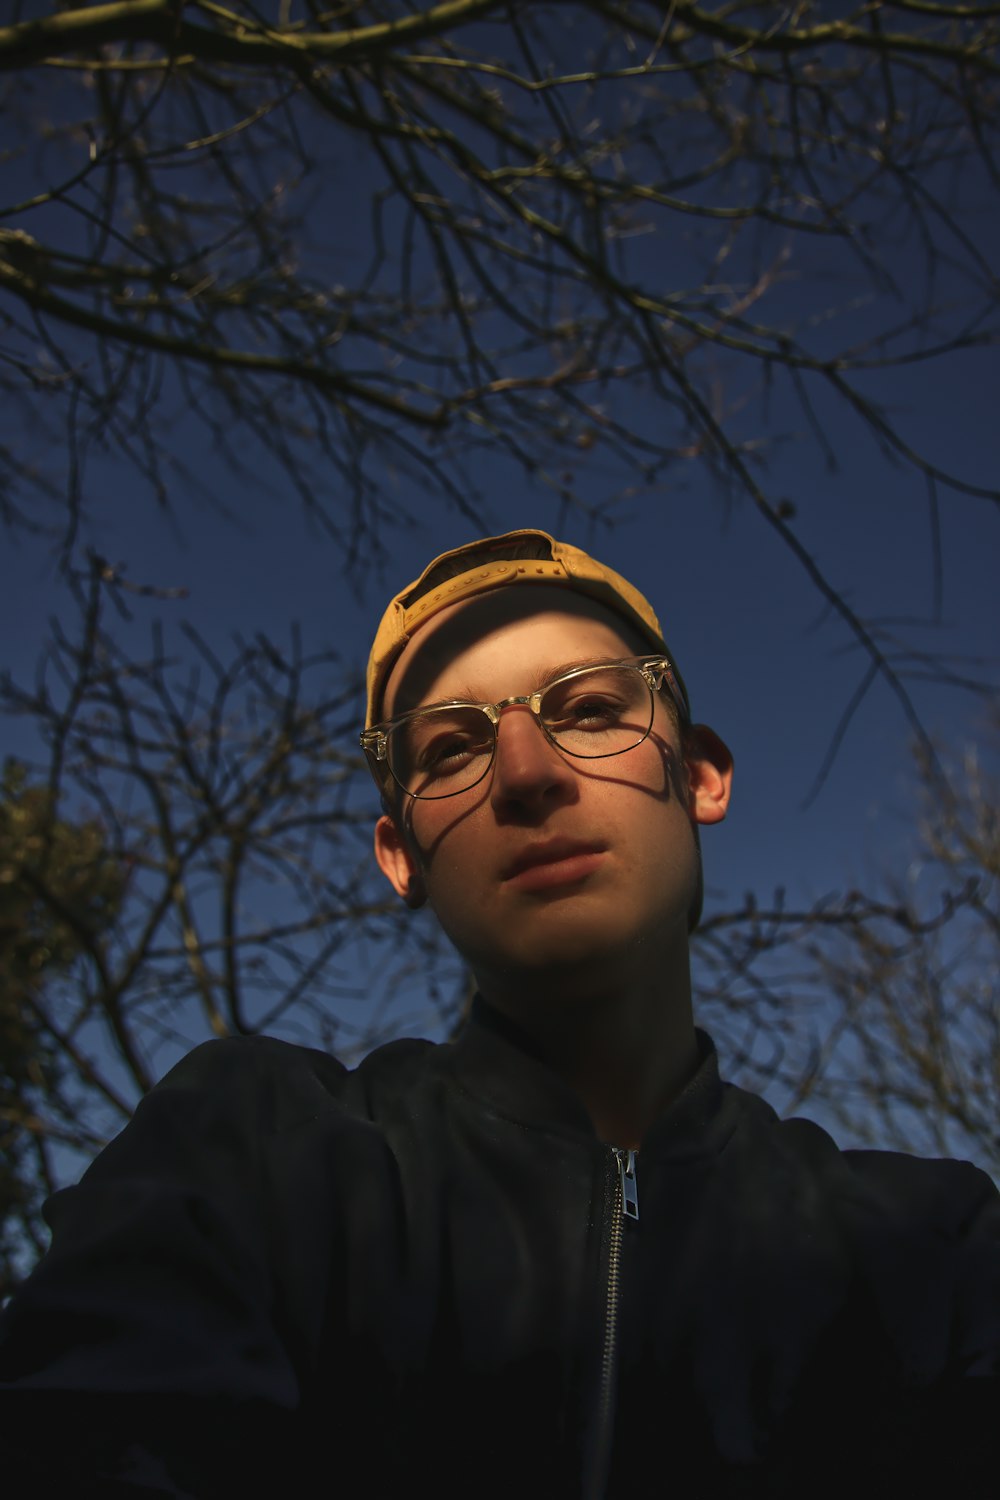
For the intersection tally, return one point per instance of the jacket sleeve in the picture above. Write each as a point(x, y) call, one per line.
point(937, 1289)
point(979, 1290)
point(146, 1347)
point(932, 1258)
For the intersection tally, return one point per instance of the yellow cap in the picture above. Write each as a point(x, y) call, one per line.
point(494, 562)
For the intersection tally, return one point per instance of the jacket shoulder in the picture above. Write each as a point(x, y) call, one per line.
point(955, 1195)
point(921, 1234)
point(282, 1083)
point(950, 1191)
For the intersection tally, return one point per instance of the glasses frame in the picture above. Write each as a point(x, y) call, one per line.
point(655, 671)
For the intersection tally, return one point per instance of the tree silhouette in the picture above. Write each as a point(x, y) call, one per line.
point(59, 893)
point(398, 244)
point(187, 857)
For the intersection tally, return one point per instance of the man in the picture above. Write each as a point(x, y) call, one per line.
point(557, 1257)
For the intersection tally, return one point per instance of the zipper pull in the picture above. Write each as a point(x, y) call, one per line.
point(630, 1190)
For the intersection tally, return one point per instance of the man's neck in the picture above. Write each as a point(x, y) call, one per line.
point(626, 1053)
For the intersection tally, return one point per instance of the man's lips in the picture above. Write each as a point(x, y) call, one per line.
point(554, 862)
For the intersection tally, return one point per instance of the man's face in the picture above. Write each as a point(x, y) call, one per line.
point(619, 865)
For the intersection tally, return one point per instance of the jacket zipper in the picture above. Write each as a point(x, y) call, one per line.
point(626, 1206)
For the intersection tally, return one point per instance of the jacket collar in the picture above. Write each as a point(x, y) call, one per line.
point(495, 1062)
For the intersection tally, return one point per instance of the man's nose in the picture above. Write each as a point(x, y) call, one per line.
point(528, 769)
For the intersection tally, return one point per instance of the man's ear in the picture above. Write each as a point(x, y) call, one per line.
point(397, 863)
point(709, 765)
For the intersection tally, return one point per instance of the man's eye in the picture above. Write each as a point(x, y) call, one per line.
point(443, 751)
point(450, 751)
point(594, 708)
point(591, 712)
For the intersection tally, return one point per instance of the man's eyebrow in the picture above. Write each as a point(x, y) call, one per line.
point(541, 678)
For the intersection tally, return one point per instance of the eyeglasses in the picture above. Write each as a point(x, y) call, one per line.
point(590, 713)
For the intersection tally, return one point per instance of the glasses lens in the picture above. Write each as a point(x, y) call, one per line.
point(602, 711)
point(441, 752)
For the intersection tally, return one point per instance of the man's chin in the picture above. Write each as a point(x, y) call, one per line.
point(568, 970)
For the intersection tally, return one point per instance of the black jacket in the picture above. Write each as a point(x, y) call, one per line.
point(287, 1277)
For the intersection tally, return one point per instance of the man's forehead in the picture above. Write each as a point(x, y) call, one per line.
point(452, 633)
